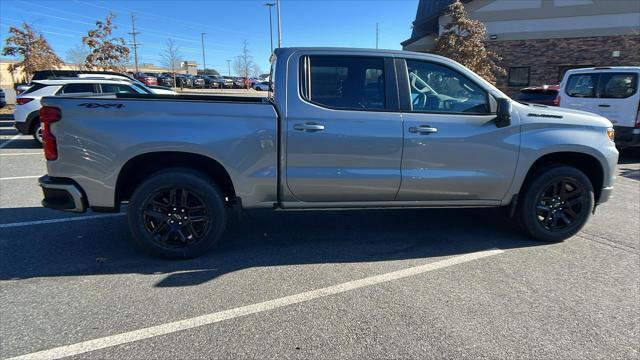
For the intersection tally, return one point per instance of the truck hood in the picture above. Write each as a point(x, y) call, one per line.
point(535, 113)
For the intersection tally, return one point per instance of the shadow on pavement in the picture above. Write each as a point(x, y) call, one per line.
point(23, 143)
point(262, 239)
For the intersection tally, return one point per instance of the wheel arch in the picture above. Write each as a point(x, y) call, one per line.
point(587, 163)
point(140, 167)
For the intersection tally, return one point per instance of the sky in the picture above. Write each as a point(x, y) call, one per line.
point(227, 25)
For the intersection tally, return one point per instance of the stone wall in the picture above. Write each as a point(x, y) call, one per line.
point(547, 56)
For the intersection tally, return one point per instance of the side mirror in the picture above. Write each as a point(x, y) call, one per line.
point(503, 113)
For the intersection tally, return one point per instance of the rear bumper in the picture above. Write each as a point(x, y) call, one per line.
point(62, 194)
point(627, 136)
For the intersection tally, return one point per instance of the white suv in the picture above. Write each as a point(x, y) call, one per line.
point(26, 114)
point(611, 92)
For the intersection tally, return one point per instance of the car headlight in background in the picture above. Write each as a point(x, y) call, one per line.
point(611, 133)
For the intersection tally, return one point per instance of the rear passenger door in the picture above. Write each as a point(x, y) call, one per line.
point(343, 130)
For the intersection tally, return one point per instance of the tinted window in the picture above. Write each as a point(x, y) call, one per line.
point(117, 89)
point(77, 88)
point(345, 82)
point(581, 85)
point(617, 85)
point(435, 88)
point(35, 87)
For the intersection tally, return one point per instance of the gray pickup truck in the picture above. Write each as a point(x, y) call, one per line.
point(344, 128)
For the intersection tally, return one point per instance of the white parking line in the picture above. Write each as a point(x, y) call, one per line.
point(27, 153)
point(53, 221)
point(9, 141)
point(172, 327)
point(20, 177)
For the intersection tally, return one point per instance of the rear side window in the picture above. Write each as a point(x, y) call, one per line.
point(117, 89)
point(78, 88)
point(617, 85)
point(35, 87)
point(344, 82)
point(582, 85)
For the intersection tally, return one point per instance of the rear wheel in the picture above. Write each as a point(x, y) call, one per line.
point(37, 131)
point(177, 214)
point(556, 204)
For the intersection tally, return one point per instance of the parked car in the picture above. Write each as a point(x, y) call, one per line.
point(394, 129)
point(86, 74)
point(146, 79)
point(3, 99)
point(27, 113)
point(264, 86)
point(184, 81)
point(213, 81)
point(198, 81)
point(166, 80)
point(545, 95)
point(611, 92)
point(238, 82)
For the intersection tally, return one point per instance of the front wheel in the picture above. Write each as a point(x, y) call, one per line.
point(556, 204)
point(177, 214)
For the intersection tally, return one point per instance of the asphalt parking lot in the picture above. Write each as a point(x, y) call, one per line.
point(316, 284)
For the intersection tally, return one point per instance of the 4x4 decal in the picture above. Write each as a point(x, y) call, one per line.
point(106, 106)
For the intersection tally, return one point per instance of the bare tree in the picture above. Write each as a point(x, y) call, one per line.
point(33, 50)
point(171, 58)
point(106, 52)
point(243, 64)
point(77, 56)
point(255, 71)
point(462, 40)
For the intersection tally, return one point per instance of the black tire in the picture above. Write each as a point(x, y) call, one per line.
point(151, 209)
point(36, 131)
point(555, 204)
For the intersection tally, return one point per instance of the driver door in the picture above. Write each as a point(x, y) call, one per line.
point(453, 150)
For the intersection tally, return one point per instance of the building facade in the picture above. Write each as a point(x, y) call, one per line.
point(539, 40)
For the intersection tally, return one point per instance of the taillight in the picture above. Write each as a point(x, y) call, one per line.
point(49, 115)
point(22, 101)
point(556, 101)
point(638, 117)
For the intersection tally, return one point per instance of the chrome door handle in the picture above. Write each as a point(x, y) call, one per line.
point(311, 127)
point(423, 129)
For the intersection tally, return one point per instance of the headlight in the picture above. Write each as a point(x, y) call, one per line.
point(611, 133)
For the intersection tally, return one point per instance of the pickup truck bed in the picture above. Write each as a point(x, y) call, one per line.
point(99, 137)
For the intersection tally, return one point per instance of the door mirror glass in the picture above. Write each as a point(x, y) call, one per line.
point(503, 114)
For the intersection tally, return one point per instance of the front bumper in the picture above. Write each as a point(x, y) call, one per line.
point(62, 194)
point(605, 195)
point(627, 137)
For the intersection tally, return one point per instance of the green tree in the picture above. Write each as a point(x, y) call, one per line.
point(32, 49)
point(105, 52)
point(462, 40)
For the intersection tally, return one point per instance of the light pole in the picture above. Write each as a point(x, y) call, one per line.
point(270, 5)
point(229, 67)
point(278, 15)
point(204, 64)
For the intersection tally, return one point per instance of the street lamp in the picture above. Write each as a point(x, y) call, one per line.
point(278, 14)
point(270, 5)
point(204, 64)
point(229, 67)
